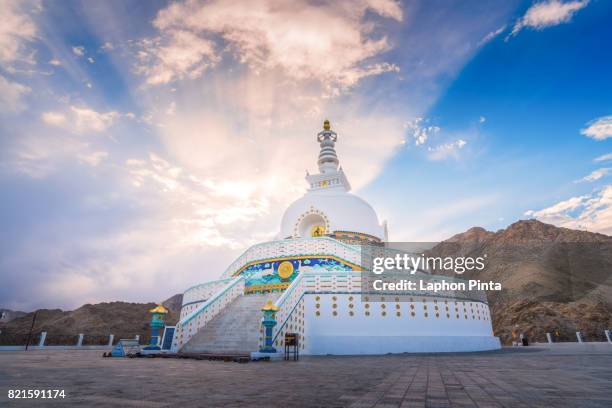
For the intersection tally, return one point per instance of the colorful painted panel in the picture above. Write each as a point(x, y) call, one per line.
point(277, 274)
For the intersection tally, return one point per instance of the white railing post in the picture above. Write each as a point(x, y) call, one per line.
point(111, 337)
point(579, 336)
point(608, 335)
point(43, 337)
point(549, 338)
point(80, 340)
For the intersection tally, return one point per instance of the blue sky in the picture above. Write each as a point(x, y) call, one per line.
point(144, 145)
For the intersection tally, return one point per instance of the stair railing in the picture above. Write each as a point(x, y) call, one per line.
point(286, 305)
point(187, 327)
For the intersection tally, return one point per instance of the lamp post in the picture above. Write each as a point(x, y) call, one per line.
point(269, 321)
point(158, 315)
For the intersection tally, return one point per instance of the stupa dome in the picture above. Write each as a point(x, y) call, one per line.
point(332, 210)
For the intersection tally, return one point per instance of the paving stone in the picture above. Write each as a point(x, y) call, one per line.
point(508, 378)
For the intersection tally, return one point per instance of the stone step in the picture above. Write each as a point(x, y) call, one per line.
point(235, 329)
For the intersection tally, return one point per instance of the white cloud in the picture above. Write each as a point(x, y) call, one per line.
point(54, 118)
point(591, 212)
point(482, 119)
point(548, 13)
point(446, 150)
point(108, 46)
point(55, 62)
point(179, 54)
point(599, 129)
point(327, 42)
point(17, 28)
point(90, 60)
point(12, 95)
point(93, 159)
point(605, 157)
point(78, 50)
point(38, 157)
point(597, 174)
point(81, 119)
point(491, 35)
point(419, 131)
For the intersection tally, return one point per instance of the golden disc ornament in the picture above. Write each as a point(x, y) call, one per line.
point(317, 231)
point(285, 270)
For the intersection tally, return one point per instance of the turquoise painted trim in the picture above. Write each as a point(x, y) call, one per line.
point(212, 299)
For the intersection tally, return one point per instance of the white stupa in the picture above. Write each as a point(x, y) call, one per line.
point(328, 204)
point(310, 281)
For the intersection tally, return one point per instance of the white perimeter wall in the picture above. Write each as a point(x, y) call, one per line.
point(416, 329)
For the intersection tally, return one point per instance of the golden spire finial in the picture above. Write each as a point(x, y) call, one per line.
point(159, 309)
point(269, 306)
point(326, 125)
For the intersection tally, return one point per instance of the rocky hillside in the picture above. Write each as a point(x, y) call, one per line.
point(552, 278)
point(124, 320)
point(6, 315)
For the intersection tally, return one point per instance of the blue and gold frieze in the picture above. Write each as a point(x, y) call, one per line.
point(273, 275)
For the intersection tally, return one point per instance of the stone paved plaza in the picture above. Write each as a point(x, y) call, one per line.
point(578, 376)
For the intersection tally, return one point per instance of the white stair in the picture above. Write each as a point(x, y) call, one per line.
point(236, 329)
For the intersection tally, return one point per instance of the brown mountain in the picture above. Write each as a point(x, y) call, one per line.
point(6, 315)
point(123, 319)
point(553, 279)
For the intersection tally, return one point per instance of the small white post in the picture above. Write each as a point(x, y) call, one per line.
point(43, 337)
point(137, 338)
point(80, 341)
point(549, 338)
point(579, 336)
point(608, 335)
point(111, 337)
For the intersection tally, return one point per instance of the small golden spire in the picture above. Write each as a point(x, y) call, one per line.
point(270, 306)
point(159, 309)
point(326, 125)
